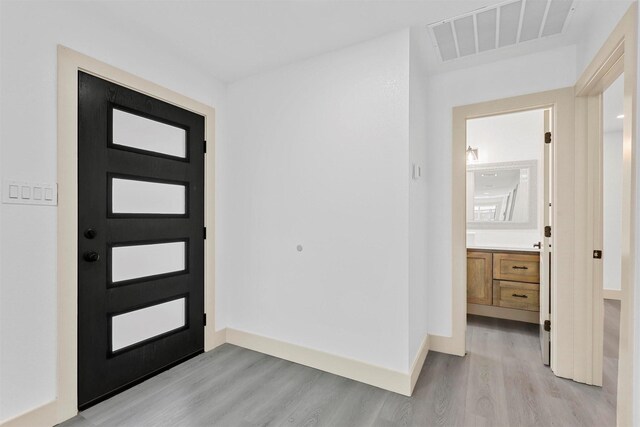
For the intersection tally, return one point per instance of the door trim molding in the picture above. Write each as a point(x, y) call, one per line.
point(449, 345)
point(615, 294)
point(69, 63)
point(618, 55)
point(562, 102)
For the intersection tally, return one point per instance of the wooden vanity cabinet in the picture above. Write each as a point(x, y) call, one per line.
point(479, 278)
point(503, 284)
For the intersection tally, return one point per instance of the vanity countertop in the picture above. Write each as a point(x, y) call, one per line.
point(502, 249)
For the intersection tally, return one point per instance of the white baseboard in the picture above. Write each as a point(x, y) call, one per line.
point(418, 363)
point(395, 381)
point(42, 416)
point(612, 294)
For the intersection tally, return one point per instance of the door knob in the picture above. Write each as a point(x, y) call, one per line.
point(90, 233)
point(91, 256)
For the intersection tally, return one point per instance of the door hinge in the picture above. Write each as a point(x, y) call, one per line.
point(547, 231)
point(597, 254)
point(204, 232)
point(204, 319)
point(547, 138)
point(547, 325)
point(204, 146)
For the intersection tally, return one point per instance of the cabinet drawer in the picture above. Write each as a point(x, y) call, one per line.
point(519, 295)
point(517, 267)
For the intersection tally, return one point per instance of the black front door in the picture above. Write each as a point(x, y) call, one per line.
point(140, 237)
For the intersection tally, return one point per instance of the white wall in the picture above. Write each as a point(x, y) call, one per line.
point(612, 210)
point(605, 17)
point(497, 80)
point(510, 138)
point(320, 150)
point(418, 204)
point(29, 33)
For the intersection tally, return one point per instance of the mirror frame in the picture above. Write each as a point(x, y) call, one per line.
point(532, 223)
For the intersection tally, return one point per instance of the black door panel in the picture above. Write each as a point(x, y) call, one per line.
point(101, 370)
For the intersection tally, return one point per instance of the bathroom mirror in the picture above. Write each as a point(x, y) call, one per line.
point(502, 195)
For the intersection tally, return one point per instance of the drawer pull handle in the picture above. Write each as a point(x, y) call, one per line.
point(519, 296)
point(520, 267)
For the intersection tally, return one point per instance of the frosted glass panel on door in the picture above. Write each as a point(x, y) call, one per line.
point(138, 132)
point(144, 197)
point(134, 262)
point(139, 325)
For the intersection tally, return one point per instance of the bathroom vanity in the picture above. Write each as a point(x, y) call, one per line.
point(504, 283)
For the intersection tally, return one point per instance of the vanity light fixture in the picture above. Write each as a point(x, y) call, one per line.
point(472, 154)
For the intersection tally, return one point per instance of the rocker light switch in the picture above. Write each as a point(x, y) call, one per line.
point(13, 191)
point(26, 192)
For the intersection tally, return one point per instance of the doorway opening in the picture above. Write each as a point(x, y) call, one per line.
point(508, 205)
point(516, 250)
point(611, 160)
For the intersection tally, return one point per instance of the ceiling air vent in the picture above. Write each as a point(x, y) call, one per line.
point(494, 27)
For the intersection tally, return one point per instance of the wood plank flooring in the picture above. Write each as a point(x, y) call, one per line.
point(501, 382)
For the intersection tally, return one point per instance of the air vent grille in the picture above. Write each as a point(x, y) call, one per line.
point(494, 27)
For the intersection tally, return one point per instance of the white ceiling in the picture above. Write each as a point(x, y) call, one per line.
point(235, 39)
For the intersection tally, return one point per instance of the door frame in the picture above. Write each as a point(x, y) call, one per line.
point(561, 101)
point(69, 63)
point(617, 56)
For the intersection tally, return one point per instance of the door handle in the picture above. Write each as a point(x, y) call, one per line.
point(91, 256)
point(90, 233)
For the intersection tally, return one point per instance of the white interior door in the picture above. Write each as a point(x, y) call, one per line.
point(545, 250)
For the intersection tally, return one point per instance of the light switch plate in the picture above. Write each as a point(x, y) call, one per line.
point(417, 171)
point(29, 193)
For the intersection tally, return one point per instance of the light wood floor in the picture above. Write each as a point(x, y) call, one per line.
point(501, 382)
